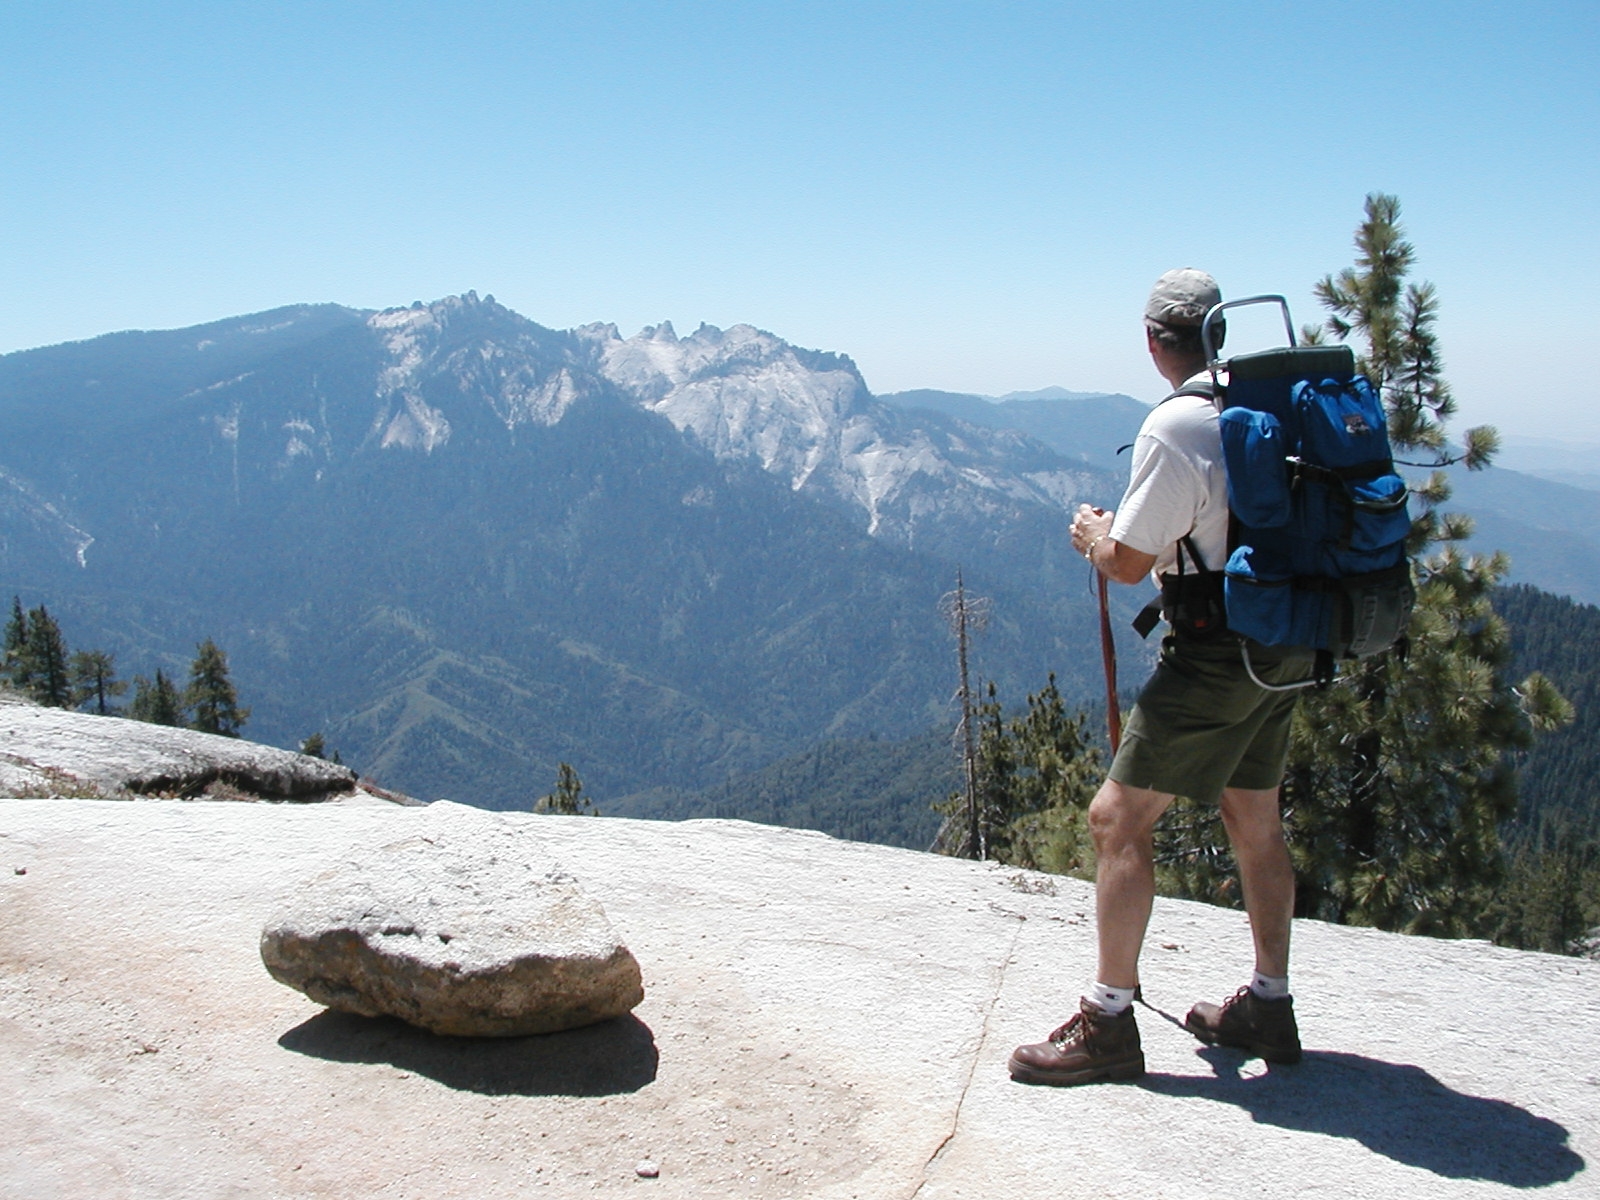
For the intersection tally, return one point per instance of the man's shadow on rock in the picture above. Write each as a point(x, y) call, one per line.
point(606, 1059)
point(1398, 1111)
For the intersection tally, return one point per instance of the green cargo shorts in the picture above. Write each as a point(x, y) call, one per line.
point(1202, 724)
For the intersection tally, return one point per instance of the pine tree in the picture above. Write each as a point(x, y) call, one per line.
point(210, 696)
point(156, 701)
point(44, 653)
point(1551, 897)
point(1059, 772)
point(1034, 778)
point(1400, 775)
point(13, 656)
point(568, 798)
point(94, 677)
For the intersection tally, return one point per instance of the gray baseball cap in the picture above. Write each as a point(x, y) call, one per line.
point(1182, 297)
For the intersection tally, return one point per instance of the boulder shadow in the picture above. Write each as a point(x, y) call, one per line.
point(606, 1059)
point(1401, 1112)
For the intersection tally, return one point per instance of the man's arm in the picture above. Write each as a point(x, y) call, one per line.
point(1091, 530)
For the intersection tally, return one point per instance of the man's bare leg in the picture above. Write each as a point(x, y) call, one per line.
point(1101, 1040)
point(1255, 828)
point(1258, 1019)
point(1122, 821)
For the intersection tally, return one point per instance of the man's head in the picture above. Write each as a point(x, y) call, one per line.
point(1178, 303)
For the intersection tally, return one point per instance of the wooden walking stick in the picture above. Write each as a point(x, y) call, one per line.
point(1108, 656)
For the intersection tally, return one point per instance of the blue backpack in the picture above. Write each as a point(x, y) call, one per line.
point(1317, 514)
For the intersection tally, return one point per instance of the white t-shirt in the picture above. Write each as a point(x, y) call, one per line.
point(1178, 486)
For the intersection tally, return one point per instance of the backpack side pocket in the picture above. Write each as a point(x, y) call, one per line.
point(1374, 610)
point(1260, 606)
point(1255, 458)
point(1379, 517)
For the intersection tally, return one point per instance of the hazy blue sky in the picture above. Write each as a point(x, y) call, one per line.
point(965, 196)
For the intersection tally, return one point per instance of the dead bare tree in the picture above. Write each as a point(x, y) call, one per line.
point(962, 835)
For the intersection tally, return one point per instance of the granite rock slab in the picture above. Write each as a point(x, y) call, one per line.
point(52, 751)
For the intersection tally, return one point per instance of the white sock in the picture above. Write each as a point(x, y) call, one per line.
point(1109, 1000)
point(1269, 987)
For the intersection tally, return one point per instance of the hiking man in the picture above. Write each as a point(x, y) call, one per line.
point(1202, 727)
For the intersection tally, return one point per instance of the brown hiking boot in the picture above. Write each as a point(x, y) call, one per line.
point(1090, 1046)
point(1264, 1028)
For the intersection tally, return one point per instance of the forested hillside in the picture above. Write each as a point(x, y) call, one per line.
point(863, 789)
point(467, 548)
point(1560, 776)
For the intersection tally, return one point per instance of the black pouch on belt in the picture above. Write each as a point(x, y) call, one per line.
point(1191, 601)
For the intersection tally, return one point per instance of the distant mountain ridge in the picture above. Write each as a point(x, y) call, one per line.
point(1540, 505)
point(1575, 463)
point(465, 546)
point(1088, 426)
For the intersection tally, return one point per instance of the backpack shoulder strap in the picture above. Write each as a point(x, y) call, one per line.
point(1153, 612)
point(1201, 391)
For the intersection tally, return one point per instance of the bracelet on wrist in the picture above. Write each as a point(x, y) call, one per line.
point(1088, 553)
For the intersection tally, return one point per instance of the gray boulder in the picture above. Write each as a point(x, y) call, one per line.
point(465, 927)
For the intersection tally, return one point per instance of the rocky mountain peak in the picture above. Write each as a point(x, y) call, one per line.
point(740, 393)
point(474, 349)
